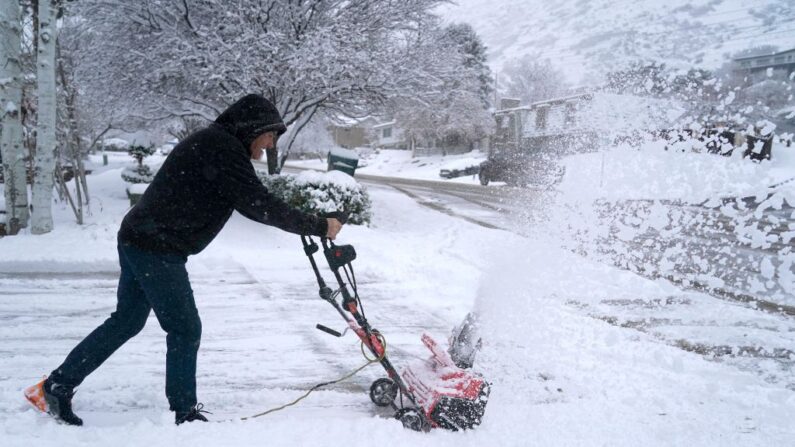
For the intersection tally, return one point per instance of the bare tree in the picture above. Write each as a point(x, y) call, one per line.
point(69, 134)
point(12, 150)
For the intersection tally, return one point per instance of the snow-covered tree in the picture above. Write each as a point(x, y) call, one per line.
point(174, 58)
point(451, 108)
point(531, 78)
point(473, 53)
point(186, 125)
point(73, 148)
point(11, 136)
point(41, 216)
point(141, 173)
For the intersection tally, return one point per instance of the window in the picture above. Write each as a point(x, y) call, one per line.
point(571, 112)
point(387, 132)
point(541, 118)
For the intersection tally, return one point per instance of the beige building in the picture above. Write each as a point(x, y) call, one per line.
point(353, 133)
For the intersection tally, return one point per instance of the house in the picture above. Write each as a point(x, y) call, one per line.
point(582, 121)
point(529, 139)
point(389, 135)
point(753, 65)
point(369, 131)
point(351, 133)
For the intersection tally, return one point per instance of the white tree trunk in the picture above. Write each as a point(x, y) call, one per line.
point(41, 218)
point(11, 148)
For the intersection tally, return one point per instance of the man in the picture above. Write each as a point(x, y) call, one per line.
point(205, 178)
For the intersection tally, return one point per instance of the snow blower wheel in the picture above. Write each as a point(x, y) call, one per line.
point(383, 392)
point(412, 419)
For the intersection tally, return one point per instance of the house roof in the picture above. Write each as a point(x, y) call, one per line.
point(386, 124)
point(349, 121)
point(745, 58)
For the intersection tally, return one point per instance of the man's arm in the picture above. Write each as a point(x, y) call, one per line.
point(239, 184)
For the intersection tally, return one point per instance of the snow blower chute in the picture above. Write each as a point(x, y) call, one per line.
point(434, 393)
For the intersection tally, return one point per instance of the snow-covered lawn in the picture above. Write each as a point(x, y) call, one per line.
point(399, 163)
point(559, 376)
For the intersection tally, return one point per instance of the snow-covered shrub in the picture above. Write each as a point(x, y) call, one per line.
point(322, 192)
point(141, 173)
point(139, 152)
point(138, 174)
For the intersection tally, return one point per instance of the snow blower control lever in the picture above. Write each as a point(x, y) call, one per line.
point(418, 405)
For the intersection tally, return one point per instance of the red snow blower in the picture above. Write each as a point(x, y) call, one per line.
point(434, 393)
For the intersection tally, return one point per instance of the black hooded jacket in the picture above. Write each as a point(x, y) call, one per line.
point(206, 177)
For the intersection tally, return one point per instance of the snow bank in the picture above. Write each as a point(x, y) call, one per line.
point(562, 378)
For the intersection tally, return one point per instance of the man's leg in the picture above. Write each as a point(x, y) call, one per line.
point(132, 309)
point(164, 279)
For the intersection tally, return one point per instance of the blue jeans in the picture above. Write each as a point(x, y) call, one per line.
point(148, 281)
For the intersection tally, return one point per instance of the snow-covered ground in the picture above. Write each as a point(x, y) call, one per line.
point(560, 376)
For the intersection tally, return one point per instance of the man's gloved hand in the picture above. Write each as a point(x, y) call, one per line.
point(334, 227)
point(335, 221)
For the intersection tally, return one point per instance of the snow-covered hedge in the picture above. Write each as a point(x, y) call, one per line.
point(138, 174)
point(322, 192)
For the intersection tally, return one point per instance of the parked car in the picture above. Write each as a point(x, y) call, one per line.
point(511, 168)
point(454, 173)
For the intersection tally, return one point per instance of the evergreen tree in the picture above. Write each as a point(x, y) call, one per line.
point(473, 53)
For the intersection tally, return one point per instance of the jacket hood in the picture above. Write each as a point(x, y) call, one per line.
point(250, 117)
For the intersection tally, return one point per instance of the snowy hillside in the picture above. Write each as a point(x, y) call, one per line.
point(587, 38)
